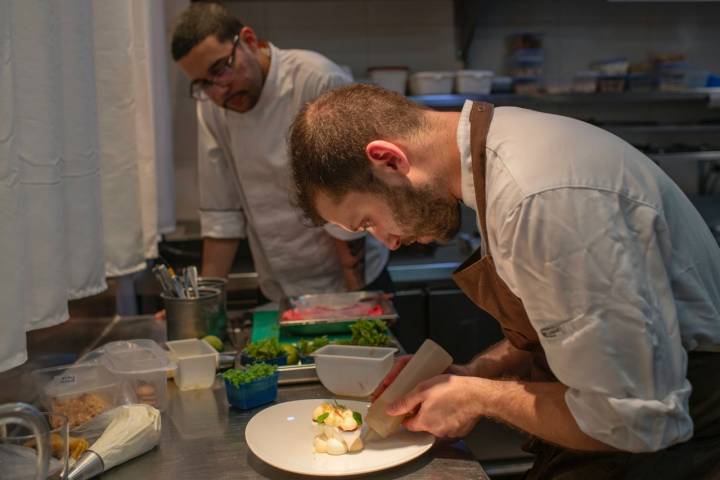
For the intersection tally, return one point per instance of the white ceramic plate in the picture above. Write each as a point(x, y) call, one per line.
point(282, 436)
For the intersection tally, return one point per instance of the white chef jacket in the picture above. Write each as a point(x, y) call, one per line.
point(619, 274)
point(244, 181)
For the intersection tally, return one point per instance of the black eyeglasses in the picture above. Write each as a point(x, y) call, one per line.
point(221, 77)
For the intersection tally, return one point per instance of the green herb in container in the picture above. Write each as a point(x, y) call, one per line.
point(251, 386)
point(267, 351)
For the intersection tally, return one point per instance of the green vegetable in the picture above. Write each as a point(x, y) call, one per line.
point(253, 372)
point(321, 418)
point(358, 418)
point(292, 353)
point(265, 349)
point(369, 332)
point(307, 347)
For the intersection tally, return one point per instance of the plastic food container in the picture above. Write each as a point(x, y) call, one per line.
point(196, 363)
point(352, 371)
point(585, 81)
point(141, 367)
point(431, 83)
point(390, 78)
point(252, 394)
point(474, 81)
point(80, 391)
point(502, 84)
point(611, 83)
point(526, 85)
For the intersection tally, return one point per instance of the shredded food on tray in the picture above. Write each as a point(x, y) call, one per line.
point(359, 309)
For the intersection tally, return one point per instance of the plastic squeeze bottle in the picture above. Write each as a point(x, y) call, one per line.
point(428, 361)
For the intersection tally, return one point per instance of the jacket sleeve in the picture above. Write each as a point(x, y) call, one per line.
point(221, 212)
point(591, 268)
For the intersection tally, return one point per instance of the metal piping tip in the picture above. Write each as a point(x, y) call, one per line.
point(88, 466)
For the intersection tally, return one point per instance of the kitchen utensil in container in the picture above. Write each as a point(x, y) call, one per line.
point(428, 361)
point(194, 317)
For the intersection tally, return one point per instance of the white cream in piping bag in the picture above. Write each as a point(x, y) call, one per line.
point(134, 430)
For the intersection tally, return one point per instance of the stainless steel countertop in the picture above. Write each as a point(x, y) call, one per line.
point(203, 438)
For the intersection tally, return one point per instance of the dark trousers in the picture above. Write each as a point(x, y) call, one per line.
point(698, 458)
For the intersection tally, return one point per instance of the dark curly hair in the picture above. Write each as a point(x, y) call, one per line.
point(328, 138)
point(199, 21)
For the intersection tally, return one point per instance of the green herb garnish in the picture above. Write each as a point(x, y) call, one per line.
point(265, 349)
point(253, 372)
point(358, 418)
point(369, 332)
point(321, 418)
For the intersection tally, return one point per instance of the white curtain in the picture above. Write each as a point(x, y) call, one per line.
point(85, 154)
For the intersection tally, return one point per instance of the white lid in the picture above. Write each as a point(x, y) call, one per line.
point(475, 73)
point(71, 380)
point(135, 357)
point(434, 75)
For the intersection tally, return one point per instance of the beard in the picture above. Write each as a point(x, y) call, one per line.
point(423, 212)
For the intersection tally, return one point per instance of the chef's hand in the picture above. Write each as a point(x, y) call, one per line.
point(400, 363)
point(443, 405)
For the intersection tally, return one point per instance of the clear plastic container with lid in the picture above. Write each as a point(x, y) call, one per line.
point(80, 391)
point(141, 366)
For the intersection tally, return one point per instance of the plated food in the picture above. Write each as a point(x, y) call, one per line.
point(296, 454)
point(338, 429)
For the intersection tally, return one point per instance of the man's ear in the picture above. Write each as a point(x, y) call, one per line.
point(387, 158)
point(248, 37)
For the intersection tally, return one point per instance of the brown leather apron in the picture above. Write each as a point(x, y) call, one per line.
point(479, 280)
point(477, 276)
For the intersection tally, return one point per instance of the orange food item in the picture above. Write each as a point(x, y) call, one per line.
point(79, 409)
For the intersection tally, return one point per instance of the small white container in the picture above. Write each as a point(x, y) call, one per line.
point(477, 82)
point(390, 78)
point(431, 83)
point(196, 363)
point(352, 371)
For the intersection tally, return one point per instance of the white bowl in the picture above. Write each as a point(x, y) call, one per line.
point(352, 371)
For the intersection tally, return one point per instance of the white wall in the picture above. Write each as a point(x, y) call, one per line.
point(359, 33)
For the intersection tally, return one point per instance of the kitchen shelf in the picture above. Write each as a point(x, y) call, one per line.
point(700, 156)
point(457, 100)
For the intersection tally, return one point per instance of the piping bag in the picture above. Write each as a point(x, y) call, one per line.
point(134, 430)
point(430, 360)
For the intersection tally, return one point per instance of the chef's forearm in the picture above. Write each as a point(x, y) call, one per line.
point(218, 256)
point(352, 262)
point(537, 408)
point(501, 360)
